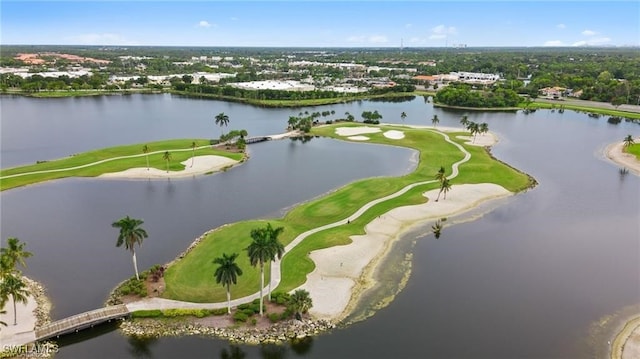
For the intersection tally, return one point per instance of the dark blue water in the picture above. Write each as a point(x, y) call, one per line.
point(524, 281)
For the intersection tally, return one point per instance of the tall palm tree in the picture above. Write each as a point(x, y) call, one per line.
point(167, 157)
point(437, 229)
point(473, 128)
point(276, 247)
point(13, 285)
point(130, 234)
point(222, 120)
point(446, 187)
point(260, 251)
point(193, 148)
point(435, 120)
point(440, 175)
point(483, 128)
point(13, 254)
point(145, 150)
point(628, 141)
point(464, 121)
point(300, 301)
point(403, 116)
point(227, 273)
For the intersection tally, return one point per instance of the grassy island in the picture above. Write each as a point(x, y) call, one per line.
point(189, 278)
point(113, 159)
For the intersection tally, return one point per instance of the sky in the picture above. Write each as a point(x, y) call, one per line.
point(321, 23)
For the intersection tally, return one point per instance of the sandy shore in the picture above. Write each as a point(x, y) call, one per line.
point(615, 154)
point(343, 272)
point(201, 165)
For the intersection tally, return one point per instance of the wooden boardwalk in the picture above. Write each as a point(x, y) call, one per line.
point(256, 139)
point(81, 321)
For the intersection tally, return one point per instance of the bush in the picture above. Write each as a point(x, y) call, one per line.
point(280, 297)
point(199, 313)
point(133, 286)
point(240, 317)
point(254, 321)
point(221, 311)
point(152, 313)
point(274, 317)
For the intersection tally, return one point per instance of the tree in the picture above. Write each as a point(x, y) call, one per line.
point(276, 246)
point(13, 285)
point(440, 175)
point(464, 121)
point(445, 187)
point(628, 141)
point(167, 157)
point(222, 120)
point(12, 255)
point(145, 150)
point(403, 116)
point(437, 229)
point(300, 302)
point(483, 128)
point(1, 322)
point(435, 120)
point(227, 273)
point(193, 148)
point(262, 250)
point(130, 234)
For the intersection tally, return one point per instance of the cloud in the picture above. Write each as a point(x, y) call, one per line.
point(204, 23)
point(100, 39)
point(441, 31)
point(595, 41)
point(407, 26)
point(588, 33)
point(553, 43)
point(561, 26)
point(355, 39)
point(378, 39)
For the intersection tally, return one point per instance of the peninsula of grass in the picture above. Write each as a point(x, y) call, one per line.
point(112, 159)
point(587, 109)
point(190, 278)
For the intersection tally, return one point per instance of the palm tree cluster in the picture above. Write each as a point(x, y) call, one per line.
point(628, 141)
point(445, 184)
point(11, 282)
point(473, 127)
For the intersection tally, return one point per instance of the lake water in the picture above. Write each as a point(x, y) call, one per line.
point(525, 280)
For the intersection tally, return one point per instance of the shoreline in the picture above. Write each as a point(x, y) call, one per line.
point(615, 154)
point(344, 273)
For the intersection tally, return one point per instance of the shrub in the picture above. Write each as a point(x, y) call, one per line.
point(240, 317)
point(249, 312)
point(152, 313)
point(199, 313)
point(221, 311)
point(133, 286)
point(274, 317)
point(254, 321)
point(280, 297)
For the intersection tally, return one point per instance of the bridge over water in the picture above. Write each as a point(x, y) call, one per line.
point(81, 321)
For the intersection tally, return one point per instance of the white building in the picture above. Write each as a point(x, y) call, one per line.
point(288, 85)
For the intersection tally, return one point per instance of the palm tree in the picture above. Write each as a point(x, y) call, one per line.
point(446, 187)
point(628, 141)
point(13, 254)
point(473, 128)
point(222, 120)
point(193, 157)
point(167, 157)
point(130, 234)
point(145, 150)
point(276, 247)
point(14, 286)
point(227, 273)
point(437, 229)
point(300, 301)
point(440, 175)
point(435, 120)
point(464, 121)
point(261, 250)
point(483, 128)
point(403, 116)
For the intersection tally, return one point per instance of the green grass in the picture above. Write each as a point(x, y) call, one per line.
point(155, 161)
point(633, 149)
point(191, 278)
point(569, 106)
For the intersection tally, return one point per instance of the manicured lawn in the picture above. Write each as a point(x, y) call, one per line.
point(191, 278)
point(634, 150)
point(155, 160)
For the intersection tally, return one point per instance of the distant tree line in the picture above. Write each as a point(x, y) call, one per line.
point(465, 96)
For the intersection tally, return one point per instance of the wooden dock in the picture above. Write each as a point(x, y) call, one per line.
point(256, 139)
point(81, 321)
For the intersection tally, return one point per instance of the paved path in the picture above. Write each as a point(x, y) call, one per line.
point(276, 275)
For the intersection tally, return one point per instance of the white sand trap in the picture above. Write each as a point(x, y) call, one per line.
point(353, 131)
point(486, 139)
point(394, 135)
point(358, 138)
point(201, 165)
point(342, 273)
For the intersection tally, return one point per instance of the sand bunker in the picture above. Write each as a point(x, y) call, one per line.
point(353, 131)
point(394, 135)
point(358, 138)
point(615, 153)
point(340, 274)
point(201, 165)
point(486, 139)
